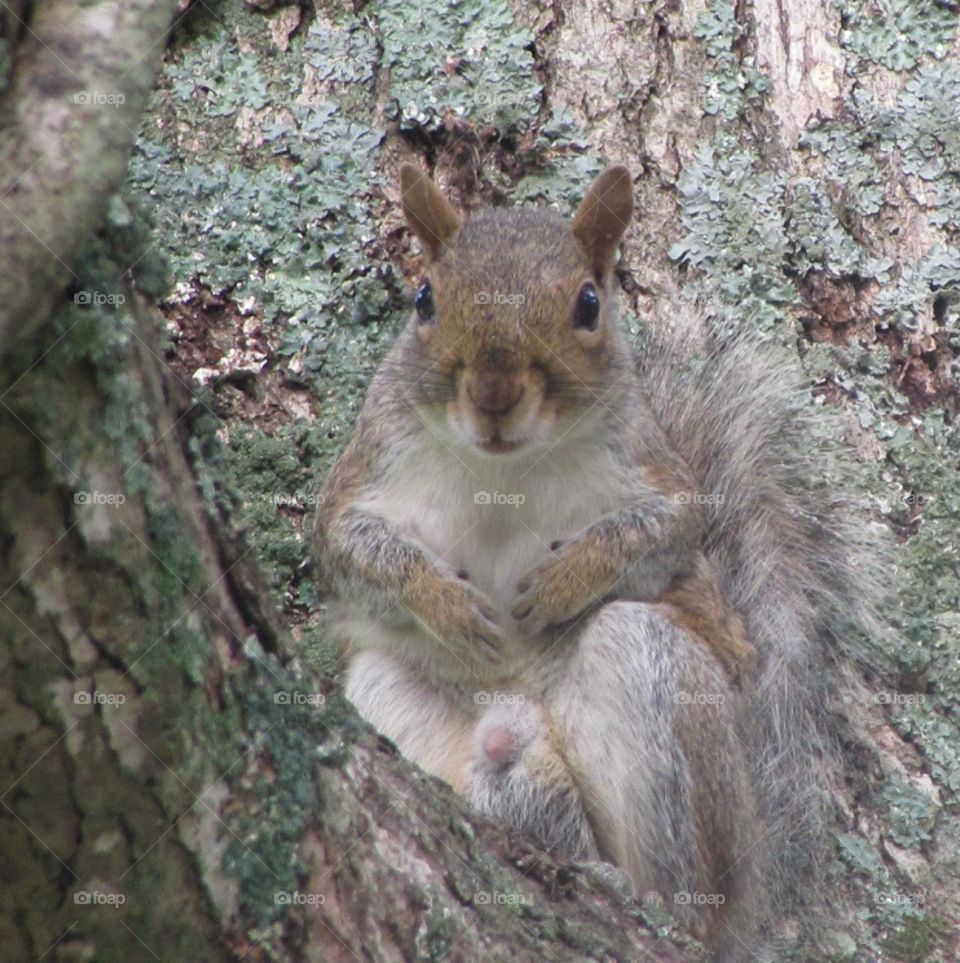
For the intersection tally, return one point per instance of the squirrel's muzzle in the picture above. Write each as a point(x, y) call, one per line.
point(500, 409)
point(494, 392)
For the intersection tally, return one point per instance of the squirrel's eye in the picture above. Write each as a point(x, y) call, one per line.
point(424, 303)
point(587, 313)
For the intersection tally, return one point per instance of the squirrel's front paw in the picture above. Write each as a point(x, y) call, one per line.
point(553, 593)
point(459, 615)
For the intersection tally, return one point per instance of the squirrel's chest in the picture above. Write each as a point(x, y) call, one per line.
point(495, 520)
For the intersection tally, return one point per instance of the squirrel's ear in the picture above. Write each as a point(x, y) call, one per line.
point(603, 216)
point(430, 215)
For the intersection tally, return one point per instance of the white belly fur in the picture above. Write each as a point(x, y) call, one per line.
point(428, 493)
point(435, 495)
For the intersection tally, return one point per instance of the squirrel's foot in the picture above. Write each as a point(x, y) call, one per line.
point(519, 776)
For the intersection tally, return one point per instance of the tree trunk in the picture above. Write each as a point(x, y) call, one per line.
point(180, 781)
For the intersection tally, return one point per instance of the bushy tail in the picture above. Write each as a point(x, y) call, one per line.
point(793, 556)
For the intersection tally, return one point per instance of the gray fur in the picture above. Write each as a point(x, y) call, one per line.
point(793, 558)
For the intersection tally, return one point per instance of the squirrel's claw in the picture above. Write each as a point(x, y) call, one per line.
point(485, 634)
point(472, 620)
point(549, 595)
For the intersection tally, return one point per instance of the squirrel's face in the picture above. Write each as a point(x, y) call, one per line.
point(514, 340)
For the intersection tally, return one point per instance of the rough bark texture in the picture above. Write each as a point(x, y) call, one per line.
point(83, 75)
point(179, 782)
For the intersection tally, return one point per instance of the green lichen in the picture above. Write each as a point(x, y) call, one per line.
point(818, 241)
point(917, 137)
point(731, 211)
point(282, 799)
point(466, 60)
point(924, 126)
point(751, 237)
point(859, 856)
point(913, 138)
point(732, 84)
point(849, 163)
point(316, 645)
point(921, 134)
point(896, 33)
point(918, 937)
point(274, 481)
point(911, 813)
point(280, 213)
point(899, 917)
point(937, 738)
point(931, 588)
point(96, 329)
point(563, 176)
point(437, 938)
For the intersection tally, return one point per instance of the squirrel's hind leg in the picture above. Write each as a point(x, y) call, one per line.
point(648, 722)
point(503, 758)
point(430, 726)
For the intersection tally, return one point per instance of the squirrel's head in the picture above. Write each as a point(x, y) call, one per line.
point(514, 334)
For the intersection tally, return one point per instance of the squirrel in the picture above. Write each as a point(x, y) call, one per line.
point(587, 583)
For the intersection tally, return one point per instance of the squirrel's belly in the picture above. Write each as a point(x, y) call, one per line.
point(495, 558)
point(494, 521)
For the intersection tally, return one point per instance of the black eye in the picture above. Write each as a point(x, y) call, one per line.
point(424, 303)
point(587, 313)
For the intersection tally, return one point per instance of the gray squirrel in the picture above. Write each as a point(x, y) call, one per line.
point(595, 588)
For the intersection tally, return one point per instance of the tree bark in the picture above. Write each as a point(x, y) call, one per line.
point(82, 78)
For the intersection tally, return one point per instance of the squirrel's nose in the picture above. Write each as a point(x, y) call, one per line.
point(493, 392)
